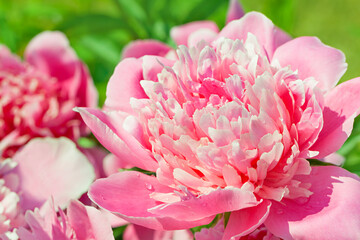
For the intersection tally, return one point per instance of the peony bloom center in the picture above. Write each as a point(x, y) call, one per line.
point(224, 115)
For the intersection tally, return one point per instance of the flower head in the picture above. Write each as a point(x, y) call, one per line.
point(37, 96)
point(227, 126)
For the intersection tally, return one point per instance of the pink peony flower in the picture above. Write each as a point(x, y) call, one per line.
point(227, 127)
point(45, 168)
point(80, 222)
point(37, 96)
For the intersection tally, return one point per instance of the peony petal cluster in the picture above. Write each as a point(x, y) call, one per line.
point(34, 177)
point(38, 95)
point(226, 126)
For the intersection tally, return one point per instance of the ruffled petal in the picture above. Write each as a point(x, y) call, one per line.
point(116, 139)
point(332, 212)
point(127, 194)
point(88, 222)
point(269, 36)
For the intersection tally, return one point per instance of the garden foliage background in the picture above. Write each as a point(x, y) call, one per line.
point(99, 29)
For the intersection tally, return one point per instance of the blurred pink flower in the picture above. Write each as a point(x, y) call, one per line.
point(38, 95)
point(227, 126)
point(45, 168)
point(80, 222)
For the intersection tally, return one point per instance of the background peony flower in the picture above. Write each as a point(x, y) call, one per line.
point(45, 168)
point(37, 96)
point(228, 128)
point(80, 222)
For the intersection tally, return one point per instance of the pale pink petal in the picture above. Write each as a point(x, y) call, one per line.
point(342, 105)
point(141, 48)
point(204, 34)
point(127, 195)
point(116, 139)
point(243, 222)
point(327, 64)
point(124, 84)
point(153, 65)
point(88, 222)
point(235, 11)
point(269, 36)
point(115, 221)
point(332, 212)
point(52, 168)
point(334, 158)
point(180, 34)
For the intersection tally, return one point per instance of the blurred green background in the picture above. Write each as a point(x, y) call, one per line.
point(99, 29)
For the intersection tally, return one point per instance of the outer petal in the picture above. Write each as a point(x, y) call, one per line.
point(51, 53)
point(52, 168)
point(327, 64)
point(141, 48)
point(342, 105)
point(181, 33)
point(127, 195)
point(116, 139)
point(218, 201)
point(235, 11)
point(124, 84)
point(88, 222)
point(332, 212)
point(269, 36)
point(245, 221)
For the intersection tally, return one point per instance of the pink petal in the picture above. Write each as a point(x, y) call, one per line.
point(141, 48)
point(88, 222)
point(218, 201)
point(243, 222)
point(124, 84)
point(342, 105)
point(180, 34)
point(332, 212)
point(51, 53)
point(52, 168)
point(127, 195)
point(204, 34)
point(327, 64)
point(256, 23)
point(10, 63)
point(112, 164)
point(116, 139)
point(334, 158)
point(96, 156)
point(235, 11)
point(153, 65)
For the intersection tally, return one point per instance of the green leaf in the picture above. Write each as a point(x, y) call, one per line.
point(138, 170)
point(212, 224)
point(118, 232)
point(92, 23)
point(203, 9)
